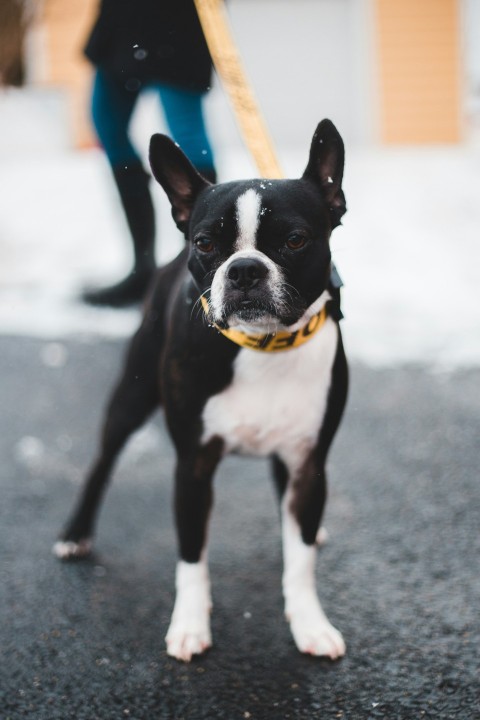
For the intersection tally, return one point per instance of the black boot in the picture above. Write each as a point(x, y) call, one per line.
point(133, 186)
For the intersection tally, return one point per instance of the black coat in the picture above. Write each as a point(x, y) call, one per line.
point(151, 40)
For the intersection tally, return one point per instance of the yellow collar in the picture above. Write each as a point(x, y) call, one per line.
point(273, 342)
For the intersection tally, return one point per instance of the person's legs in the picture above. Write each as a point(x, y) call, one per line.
point(184, 115)
point(112, 108)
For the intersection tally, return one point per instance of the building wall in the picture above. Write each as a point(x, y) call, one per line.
point(471, 36)
point(306, 60)
point(385, 70)
point(65, 25)
point(419, 70)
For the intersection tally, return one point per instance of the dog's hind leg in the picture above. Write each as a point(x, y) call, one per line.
point(189, 632)
point(133, 400)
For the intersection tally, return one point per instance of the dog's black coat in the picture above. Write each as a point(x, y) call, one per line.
point(178, 360)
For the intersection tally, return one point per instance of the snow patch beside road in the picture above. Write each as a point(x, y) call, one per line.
point(408, 252)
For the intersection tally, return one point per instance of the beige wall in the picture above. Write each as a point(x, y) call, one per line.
point(419, 70)
point(66, 26)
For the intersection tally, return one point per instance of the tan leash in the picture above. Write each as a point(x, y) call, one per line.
point(226, 60)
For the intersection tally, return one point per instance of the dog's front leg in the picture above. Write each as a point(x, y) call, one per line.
point(302, 507)
point(189, 632)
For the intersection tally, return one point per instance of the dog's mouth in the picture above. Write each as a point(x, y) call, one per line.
point(259, 314)
point(247, 310)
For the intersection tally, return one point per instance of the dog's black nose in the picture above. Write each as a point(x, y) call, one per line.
point(245, 273)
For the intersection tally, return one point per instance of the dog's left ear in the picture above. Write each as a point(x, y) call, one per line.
point(176, 174)
point(325, 168)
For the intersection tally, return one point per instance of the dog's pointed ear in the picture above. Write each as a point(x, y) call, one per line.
point(176, 174)
point(325, 167)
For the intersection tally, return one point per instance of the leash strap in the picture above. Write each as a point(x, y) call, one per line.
point(226, 60)
point(273, 342)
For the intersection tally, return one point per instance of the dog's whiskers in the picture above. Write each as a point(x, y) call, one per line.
point(197, 307)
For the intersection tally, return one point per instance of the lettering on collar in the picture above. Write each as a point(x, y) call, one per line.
point(273, 342)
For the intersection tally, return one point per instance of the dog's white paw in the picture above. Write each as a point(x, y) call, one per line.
point(189, 632)
point(312, 631)
point(188, 638)
point(68, 550)
point(319, 638)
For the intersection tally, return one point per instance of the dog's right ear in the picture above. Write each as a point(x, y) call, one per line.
point(176, 174)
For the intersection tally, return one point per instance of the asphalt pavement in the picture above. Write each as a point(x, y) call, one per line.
point(399, 576)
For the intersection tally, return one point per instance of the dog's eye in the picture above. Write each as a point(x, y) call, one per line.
point(205, 244)
point(296, 242)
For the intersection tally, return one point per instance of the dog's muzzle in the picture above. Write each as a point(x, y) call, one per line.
point(245, 288)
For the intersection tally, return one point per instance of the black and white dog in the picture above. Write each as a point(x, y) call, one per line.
point(241, 345)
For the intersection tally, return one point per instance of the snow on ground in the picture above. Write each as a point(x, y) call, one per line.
point(408, 252)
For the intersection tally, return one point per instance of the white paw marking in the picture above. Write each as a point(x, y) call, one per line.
point(187, 637)
point(312, 631)
point(67, 549)
point(189, 632)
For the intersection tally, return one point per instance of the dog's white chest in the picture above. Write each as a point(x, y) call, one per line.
point(276, 401)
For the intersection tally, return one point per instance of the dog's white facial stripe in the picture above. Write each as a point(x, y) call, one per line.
point(248, 218)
